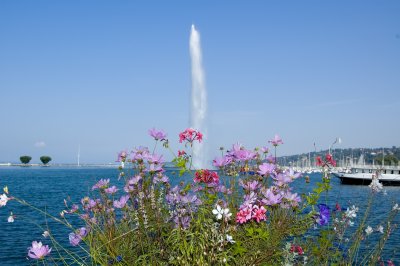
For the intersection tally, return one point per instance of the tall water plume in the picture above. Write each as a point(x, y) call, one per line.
point(198, 109)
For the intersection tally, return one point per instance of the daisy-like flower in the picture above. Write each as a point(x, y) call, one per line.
point(157, 134)
point(38, 251)
point(221, 212)
point(375, 185)
point(111, 190)
point(395, 207)
point(276, 140)
point(229, 238)
point(369, 230)
point(3, 200)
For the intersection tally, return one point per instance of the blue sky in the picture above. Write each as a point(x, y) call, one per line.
point(99, 74)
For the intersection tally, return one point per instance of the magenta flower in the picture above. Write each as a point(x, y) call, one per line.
point(190, 135)
point(111, 190)
point(157, 134)
point(119, 204)
point(243, 215)
point(38, 251)
point(103, 183)
point(276, 140)
point(266, 169)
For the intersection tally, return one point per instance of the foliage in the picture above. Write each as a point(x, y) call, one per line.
point(45, 159)
point(25, 159)
point(245, 213)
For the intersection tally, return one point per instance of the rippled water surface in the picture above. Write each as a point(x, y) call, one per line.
point(46, 188)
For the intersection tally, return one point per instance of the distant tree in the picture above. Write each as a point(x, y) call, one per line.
point(25, 159)
point(45, 159)
point(389, 160)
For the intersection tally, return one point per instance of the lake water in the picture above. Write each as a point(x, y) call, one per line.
point(47, 187)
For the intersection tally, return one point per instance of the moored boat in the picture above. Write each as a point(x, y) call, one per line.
point(362, 175)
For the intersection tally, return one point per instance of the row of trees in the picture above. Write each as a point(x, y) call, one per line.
point(25, 159)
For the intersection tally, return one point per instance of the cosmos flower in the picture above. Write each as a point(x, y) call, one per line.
point(111, 190)
point(38, 251)
point(103, 183)
point(221, 162)
point(276, 140)
point(119, 204)
point(157, 134)
point(266, 169)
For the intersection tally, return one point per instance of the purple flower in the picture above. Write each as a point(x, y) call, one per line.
point(157, 134)
point(111, 190)
point(140, 154)
point(276, 140)
point(160, 178)
point(264, 149)
point(103, 183)
point(292, 198)
point(266, 169)
point(154, 168)
point(132, 183)
point(38, 251)
point(323, 217)
point(155, 159)
point(121, 202)
point(122, 156)
point(270, 159)
point(270, 197)
point(292, 174)
point(221, 162)
point(245, 155)
point(74, 239)
point(249, 185)
point(282, 179)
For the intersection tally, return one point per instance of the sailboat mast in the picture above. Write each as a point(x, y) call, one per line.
point(79, 154)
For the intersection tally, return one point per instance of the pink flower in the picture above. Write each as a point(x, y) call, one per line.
point(190, 135)
point(259, 213)
point(266, 169)
point(38, 251)
point(119, 204)
point(157, 134)
point(103, 183)
point(111, 190)
point(242, 216)
point(276, 140)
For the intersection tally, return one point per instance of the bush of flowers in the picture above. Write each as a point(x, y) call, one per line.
point(244, 212)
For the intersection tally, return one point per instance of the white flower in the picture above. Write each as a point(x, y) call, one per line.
point(230, 239)
point(219, 212)
point(5, 189)
point(45, 234)
point(396, 207)
point(352, 212)
point(369, 230)
point(380, 229)
point(10, 218)
point(3, 200)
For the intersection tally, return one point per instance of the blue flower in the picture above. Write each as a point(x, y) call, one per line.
point(323, 217)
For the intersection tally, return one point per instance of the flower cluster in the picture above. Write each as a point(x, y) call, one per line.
point(190, 135)
point(251, 212)
point(206, 176)
point(328, 162)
